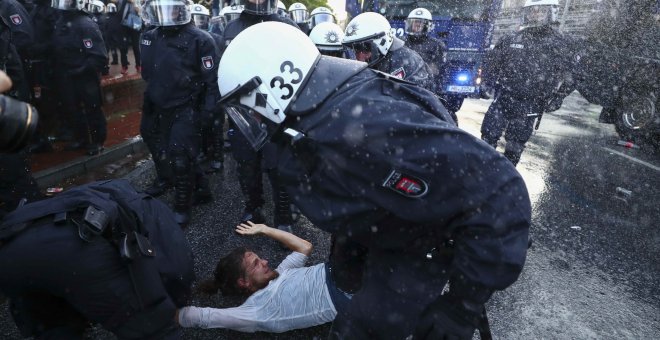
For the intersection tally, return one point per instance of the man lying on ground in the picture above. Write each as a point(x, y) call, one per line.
point(290, 297)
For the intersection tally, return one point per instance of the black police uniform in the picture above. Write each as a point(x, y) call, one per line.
point(404, 63)
point(248, 161)
point(527, 70)
point(433, 52)
point(60, 274)
point(180, 68)
point(213, 132)
point(80, 57)
point(401, 180)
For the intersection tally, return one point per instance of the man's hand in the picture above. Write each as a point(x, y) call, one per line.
point(447, 318)
point(250, 228)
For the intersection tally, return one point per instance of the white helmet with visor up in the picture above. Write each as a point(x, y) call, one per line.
point(94, 6)
point(419, 22)
point(298, 12)
point(369, 32)
point(259, 90)
point(166, 12)
point(320, 15)
point(538, 13)
point(200, 16)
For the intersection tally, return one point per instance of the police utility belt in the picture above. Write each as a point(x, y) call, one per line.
point(91, 223)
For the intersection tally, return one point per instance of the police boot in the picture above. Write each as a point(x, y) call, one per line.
point(183, 189)
point(202, 191)
point(283, 219)
point(217, 156)
point(163, 177)
point(513, 151)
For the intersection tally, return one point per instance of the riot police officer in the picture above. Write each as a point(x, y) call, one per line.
point(248, 161)
point(20, 25)
point(299, 14)
point(419, 28)
point(527, 69)
point(180, 68)
point(370, 36)
point(106, 254)
point(378, 161)
point(320, 15)
point(80, 57)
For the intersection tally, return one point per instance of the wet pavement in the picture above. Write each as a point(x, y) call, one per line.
point(591, 273)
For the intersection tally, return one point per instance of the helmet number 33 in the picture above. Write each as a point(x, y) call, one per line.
point(287, 66)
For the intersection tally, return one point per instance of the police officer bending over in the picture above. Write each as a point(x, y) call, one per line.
point(530, 72)
point(378, 161)
point(370, 36)
point(100, 253)
point(180, 67)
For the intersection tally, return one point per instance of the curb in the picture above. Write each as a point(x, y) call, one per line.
point(52, 176)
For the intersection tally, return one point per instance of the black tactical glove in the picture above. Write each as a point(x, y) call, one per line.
point(553, 105)
point(448, 318)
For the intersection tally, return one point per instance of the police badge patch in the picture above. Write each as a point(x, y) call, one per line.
point(16, 19)
point(88, 43)
point(207, 62)
point(406, 185)
point(399, 73)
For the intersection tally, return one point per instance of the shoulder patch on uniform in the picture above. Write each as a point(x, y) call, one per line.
point(399, 73)
point(406, 185)
point(88, 43)
point(16, 19)
point(207, 62)
point(146, 42)
point(517, 46)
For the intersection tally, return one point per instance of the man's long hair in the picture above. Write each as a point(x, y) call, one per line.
point(225, 277)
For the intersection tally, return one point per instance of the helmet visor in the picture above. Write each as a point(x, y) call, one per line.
point(416, 26)
point(231, 16)
point(201, 21)
point(321, 17)
point(66, 5)
point(166, 13)
point(299, 15)
point(259, 7)
point(534, 16)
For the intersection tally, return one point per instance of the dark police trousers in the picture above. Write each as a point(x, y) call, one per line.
point(515, 118)
point(173, 138)
point(84, 88)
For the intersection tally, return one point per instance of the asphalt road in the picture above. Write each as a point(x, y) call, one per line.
point(592, 272)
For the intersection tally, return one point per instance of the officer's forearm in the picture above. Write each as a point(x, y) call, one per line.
point(293, 242)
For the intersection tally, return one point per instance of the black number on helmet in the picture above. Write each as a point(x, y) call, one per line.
point(283, 85)
point(292, 69)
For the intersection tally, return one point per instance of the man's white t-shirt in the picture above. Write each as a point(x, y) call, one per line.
point(298, 298)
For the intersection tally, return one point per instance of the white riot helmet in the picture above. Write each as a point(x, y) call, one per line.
point(93, 6)
point(281, 9)
point(319, 15)
point(260, 90)
point(200, 16)
point(539, 13)
point(327, 36)
point(258, 7)
point(68, 5)
point(231, 12)
point(111, 8)
point(166, 12)
point(369, 32)
point(298, 12)
point(419, 22)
